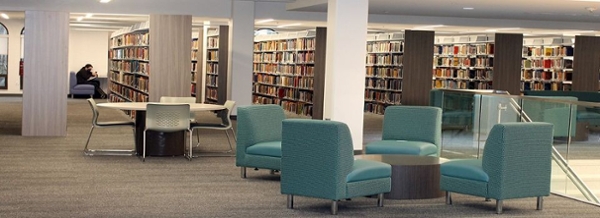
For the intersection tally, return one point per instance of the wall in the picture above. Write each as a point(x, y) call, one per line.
point(14, 54)
point(89, 47)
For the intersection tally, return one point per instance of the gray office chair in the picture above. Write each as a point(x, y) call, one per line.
point(96, 124)
point(168, 118)
point(187, 100)
point(225, 124)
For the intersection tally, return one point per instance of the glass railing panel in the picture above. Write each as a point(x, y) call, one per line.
point(458, 138)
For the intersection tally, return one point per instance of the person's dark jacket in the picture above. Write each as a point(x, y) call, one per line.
point(83, 75)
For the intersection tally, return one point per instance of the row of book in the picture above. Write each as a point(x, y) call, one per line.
point(212, 42)
point(474, 74)
point(385, 46)
point(194, 55)
point(138, 82)
point(547, 63)
point(461, 84)
point(278, 45)
point(295, 95)
point(384, 72)
point(211, 94)
point(375, 108)
point(212, 55)
point(212, 80)
point(130, 66)
point(305, 83)
point(276, 57)
point(539, 85)
point(257, 99)
point(383, 97)
point(464, 49)
point(463, 62)
point(547, 51)
point(212, 68)
point(128, 93)
point(137, 53)
point(374, 83)
point(297, 70)
point(384, 59)
point(558, 75)
point(297, 107)
point(130, 39)
point(195, 44)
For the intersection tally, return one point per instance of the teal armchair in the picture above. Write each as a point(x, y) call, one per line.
point(259, 137)
point(317, 161)
point(412, 130)
point(516, 163)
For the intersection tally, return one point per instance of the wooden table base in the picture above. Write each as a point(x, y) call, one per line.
point(415, 182)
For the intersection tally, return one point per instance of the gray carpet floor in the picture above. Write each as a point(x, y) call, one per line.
point(50, 177)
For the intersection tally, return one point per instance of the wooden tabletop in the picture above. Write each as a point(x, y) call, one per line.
point(401, 159)
point(141, 106)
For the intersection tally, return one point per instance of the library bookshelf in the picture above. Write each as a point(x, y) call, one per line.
point(129, 64)
point(463, 62)
point(215, 81)
point(384, 68)
point(195, 68)
point(287, 71)
point(547, 64)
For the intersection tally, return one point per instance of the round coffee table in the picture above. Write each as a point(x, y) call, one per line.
point(413, 177)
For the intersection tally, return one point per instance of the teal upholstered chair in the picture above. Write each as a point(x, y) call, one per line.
point(317, 161)
point(516, 163)
point(412, 130)
point(554, 113)
point(259, 137)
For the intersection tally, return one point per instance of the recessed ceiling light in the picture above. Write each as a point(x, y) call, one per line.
point(502, 29)
point(287, 25)
point(79, 19)
point(428, 27)
point(468, 8)
point(105, 1)
point(265, 21)
point(88, 15)
point(5, 16)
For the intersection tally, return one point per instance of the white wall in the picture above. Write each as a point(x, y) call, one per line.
point(89, 47)
point(14, 54)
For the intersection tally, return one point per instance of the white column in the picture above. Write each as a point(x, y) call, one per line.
point(241, 36)
point(345, 72)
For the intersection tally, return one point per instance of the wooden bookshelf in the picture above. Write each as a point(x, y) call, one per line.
point(285, 70)
point(194, 66)
point(217, 46)
point(384, 68)
point(129, 64)
point(463, 62)
point(547, 64)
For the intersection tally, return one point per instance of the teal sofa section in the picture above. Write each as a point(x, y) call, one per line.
point(589, 115)
point(317, 161)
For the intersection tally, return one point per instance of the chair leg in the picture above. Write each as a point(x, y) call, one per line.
point(229, 141)
point(380, 200)
point(243, 172)
point(498, 206)
point(488, 199)
point(191, 133)
point(197, 137)
point(448, 198)
point(234, 136)
point(144, 148)
point(290, 201)
point(85, 150)
point(334, 207)
point(540, 203)
point(272, 172)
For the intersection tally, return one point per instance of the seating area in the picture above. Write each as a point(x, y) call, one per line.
point(79, 89)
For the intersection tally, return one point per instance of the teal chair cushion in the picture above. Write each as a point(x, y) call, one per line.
point(367, 170)
point(272, 149)
point(401, 147)
point(465, 169)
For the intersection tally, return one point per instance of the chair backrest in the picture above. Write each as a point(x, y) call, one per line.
point(72, 79)
point(517, 159)
point(189, 100)
point(226, 115)
point(316, 158)
point(256, 124)
point(414, 123)
point(167, 117)
point(95, 113)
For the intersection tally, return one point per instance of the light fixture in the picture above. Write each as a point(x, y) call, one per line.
point(265, 21)
point(428, 27)
point(287, 25)
point(105, 1)
point(468, 8)
point(88, 15)
point(502, 29)
point(5, 16)
point(79, 19)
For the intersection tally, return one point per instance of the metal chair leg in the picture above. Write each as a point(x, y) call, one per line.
point(85, 150)
point(540, 203)
point(380, 200)
point(290, 201)
point(234, 136)
point(498, 206)
point(144, 149)
point(334, 207)
point(243, 172)
point(191, 133)
point(448, 198)
point(197, 137)
point(229, 141)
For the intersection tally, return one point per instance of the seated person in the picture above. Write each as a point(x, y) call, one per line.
point(85, 76)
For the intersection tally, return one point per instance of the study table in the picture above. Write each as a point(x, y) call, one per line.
point(158, 143)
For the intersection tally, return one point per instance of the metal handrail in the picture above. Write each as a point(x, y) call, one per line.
point(556, 156)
